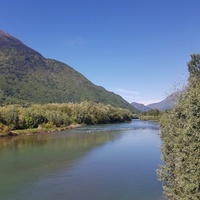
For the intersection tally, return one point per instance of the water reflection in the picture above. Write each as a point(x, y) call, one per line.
point(110, 162)
point(27, 157)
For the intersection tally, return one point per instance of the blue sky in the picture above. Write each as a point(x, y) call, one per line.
point(138, 49)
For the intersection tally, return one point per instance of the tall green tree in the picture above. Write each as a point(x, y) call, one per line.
point(180, 134)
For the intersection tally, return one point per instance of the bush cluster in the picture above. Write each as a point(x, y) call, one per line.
point(153, 114)
point(180, 134)
point(14, 117)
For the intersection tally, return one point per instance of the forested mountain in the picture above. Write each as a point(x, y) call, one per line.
point(26, 76)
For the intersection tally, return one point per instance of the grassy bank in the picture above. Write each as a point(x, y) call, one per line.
point(39, 130)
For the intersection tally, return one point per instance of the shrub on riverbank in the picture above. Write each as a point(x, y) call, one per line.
point(14, 117)
point(180, 134)
point(153, 115)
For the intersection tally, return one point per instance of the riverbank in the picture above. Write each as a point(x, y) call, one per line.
point(38, 130)
point(55, 117)
point(149, 118)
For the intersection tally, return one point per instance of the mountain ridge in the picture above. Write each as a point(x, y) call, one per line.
point(26, 76)
point(6, 38)
point(141, 107)
point(166, 104)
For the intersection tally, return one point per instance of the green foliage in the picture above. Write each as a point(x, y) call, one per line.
point(60, 115)
point(194, 66)
point(153, 114)
point(180, 134)
point(10, 116)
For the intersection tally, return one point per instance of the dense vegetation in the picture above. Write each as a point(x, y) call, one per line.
point(46, 116)
point(26, 76)
point(180, 134)
point(153, 114)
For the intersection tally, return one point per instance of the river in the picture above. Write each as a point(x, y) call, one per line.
point(99, 162)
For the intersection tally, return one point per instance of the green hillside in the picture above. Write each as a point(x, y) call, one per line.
point(26, 76)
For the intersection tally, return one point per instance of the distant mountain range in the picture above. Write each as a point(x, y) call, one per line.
point(166, 104)
point(26, 76)
point(141, 107)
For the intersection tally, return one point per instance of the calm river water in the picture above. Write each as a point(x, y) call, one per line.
point(103, 162)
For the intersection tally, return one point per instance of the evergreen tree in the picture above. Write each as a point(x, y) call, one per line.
point(180, 134)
